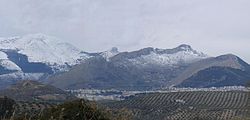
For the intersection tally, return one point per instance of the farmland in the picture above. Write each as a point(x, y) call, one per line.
point(211, 105)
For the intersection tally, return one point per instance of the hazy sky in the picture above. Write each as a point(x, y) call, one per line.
point(212, 26)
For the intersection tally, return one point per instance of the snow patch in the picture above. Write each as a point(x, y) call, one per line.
point(3, 55)
point(9, 65)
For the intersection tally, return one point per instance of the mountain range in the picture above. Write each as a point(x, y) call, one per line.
point(47, 59)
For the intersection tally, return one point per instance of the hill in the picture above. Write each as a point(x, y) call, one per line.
point(224, 70)
point(217, 77)
point(28, 90)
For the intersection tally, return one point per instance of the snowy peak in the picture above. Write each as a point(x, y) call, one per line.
point(43, 48)
point(110, 53)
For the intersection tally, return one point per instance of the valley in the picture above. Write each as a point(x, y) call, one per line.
point(119, 95)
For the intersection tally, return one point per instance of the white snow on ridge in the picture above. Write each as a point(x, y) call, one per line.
point(22, 76)
point(110, 53)
point(6, 63)
point(42, 48)
point(3, 55)
point(180, 57)
point(9, 65)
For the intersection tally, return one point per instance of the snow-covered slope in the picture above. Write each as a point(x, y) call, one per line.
point(35, 57)
point(182, 54)
point(45, 49)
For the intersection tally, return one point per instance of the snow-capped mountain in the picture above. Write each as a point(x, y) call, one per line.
point(142, 69)
point(41, 57)
point(36, 56)
point(180, 55)
point(45, 49)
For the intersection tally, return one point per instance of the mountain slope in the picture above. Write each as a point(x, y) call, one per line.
point(44, 49)
point(35, 57)
point(229, 62)
point(217, 77)
point(151, 68)
point(47, 59)
point(143, 69)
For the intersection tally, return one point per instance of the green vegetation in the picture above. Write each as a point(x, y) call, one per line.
point(6, 107)
point(71, 110)
point(31, 109)
point(81, 110)
point(193, 105)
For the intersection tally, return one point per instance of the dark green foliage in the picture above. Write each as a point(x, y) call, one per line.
point(30, 109)
point(6, 107)
point(79, 110)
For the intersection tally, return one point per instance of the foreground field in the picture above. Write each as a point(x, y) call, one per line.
point(200, 105)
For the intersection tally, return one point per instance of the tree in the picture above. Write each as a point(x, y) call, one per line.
point(7, 107)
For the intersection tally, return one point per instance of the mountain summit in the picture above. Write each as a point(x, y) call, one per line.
point(43, 48)
point(34, 57)
point(110, 53)
point(180, 55)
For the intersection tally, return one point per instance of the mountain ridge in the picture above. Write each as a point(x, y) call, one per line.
point(121, 72)
point(44, 58)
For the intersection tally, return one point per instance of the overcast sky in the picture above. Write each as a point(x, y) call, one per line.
point(212, 26)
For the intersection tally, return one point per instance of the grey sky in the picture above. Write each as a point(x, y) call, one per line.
point(212, 26)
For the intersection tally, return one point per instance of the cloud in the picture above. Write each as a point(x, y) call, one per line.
point(215, 27)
